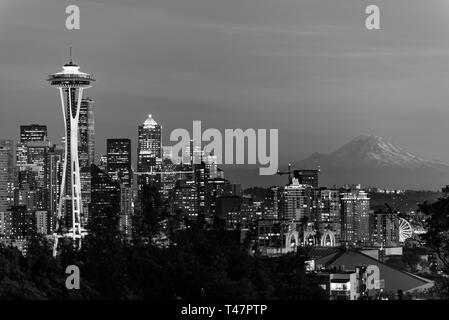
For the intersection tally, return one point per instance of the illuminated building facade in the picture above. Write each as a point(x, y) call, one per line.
point(33, 132)
point(86, 125)
point(355, 217)
point(119, 160)
point(7, 168)
point(297, 201)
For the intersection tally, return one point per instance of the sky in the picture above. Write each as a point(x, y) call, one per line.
point(309, 68)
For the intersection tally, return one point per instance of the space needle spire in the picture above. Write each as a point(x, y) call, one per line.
point(71, 83)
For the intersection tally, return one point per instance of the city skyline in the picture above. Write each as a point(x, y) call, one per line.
point(237, 64)
point(250, 150)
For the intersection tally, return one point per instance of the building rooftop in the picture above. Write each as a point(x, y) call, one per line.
point(150, 122)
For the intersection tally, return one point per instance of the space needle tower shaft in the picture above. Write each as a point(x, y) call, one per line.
point(71, 84)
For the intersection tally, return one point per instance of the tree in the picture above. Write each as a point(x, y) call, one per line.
point(437, 226)
point(147, 222)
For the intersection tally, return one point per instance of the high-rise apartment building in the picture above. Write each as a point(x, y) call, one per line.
point(185, 199)
point(119, 160)
point(327, 211)
point(86, 144)
point(105, 199)
point(355, 216)
point(54, 162)
point(384, 229)
point(149, 150)
point(297, 202)
point(119, 169)
point(7, 169)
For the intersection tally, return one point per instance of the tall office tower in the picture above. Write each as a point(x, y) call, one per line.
point(7, 172)
point(297, 202)
point(43, 222)
point(86, 144)
point(355, 217)
point(33, 132)
point(5, 224)
point(119, 169)
point(30, 159)
point(21, 222)
point(86, 180)
point(216, 189)
point(327, 212)
point(309, 177)
point(271, 205)
point(168, 180)
point(71, 84)
point(126, 210)
point(119, 160)
point(201, 177)
point(185, 199)
point(105, 199)
point(54, 163)
point(149, 151)
point(21, 156)
point(384, 229)
point(37, 153)
point(149, 157)
point(211, 162)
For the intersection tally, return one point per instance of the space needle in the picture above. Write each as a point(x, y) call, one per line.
point(71, 83)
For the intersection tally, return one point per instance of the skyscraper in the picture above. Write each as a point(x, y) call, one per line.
point(71, 84)
point(119, 169)
point(105, 199)
point(33, 132)
point(37, 151)
point(185, 199)
point(20, 221)
point(327, 211)
point(31, 187)
point(86, 180)
point(86, 146)
point(384, 229)
point(119, 160)
point(297, 202)
point(149, 152)
point(355, 217)
point(54, 164)
point(7, 166)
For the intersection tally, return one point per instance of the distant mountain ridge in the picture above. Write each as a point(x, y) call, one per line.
point(372, 151)
point(374, 161)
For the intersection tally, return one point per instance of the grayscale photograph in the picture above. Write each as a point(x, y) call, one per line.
point(227, 158)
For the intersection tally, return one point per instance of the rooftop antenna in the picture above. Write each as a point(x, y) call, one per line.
point(70, 55)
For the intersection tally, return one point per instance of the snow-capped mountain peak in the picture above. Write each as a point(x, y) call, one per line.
point(372, 151)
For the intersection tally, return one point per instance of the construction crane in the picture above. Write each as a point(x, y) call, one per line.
point(289, 172)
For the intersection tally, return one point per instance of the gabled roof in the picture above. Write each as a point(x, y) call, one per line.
point(395, 279)
point(316, 253)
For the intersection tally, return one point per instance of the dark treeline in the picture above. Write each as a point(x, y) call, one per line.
point(202, 265)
